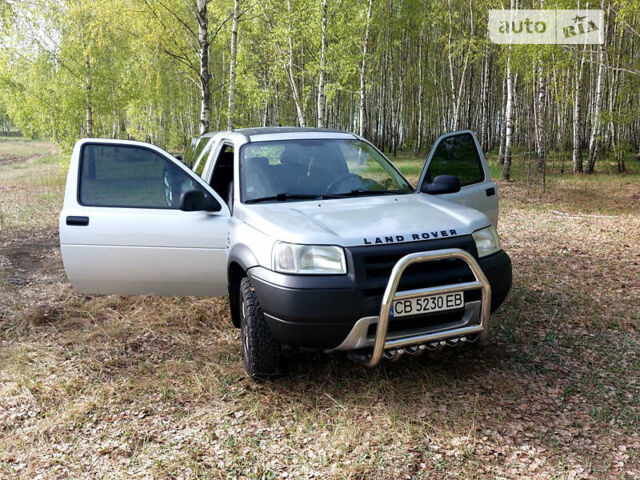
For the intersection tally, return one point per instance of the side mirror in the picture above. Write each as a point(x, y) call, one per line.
point(196, 200)
point(179, 157)
point(442, 184)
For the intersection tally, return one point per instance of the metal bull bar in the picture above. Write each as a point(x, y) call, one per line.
point(391, 294)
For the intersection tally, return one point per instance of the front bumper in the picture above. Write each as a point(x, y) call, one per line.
point(321, 312)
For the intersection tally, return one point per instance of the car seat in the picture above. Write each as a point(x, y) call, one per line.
point(258, 180)
point(326, 166)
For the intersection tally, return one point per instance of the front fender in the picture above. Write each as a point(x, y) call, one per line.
point(243, 256)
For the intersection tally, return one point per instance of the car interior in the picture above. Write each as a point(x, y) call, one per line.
point(222, 177)
point(310, 171)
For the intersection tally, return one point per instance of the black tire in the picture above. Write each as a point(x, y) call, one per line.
point(260, 351)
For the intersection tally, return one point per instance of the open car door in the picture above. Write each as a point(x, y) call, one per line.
point(136, 220)
point(459, 154)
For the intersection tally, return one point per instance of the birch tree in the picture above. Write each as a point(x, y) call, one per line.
point(232, 64)
point(596, 121)
point(322, 99)
point(484, 98)
point(400, 72)
point(203, 55)
point(539, 114)
point(363, 72)
point(290, 70)
point(577, 115)
point(508, 120)
point(457, 85)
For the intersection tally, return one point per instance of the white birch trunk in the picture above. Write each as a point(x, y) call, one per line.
point(596, 124)
point(87, 93)
point(363, 72)
point(456, 91)
point(292, 79)
point(322, 99)
point(205, 76)
point(420, 95)
point(232, 64)
point(539, 114)
point(502, 123)
point(508, 116)
point(484, 113)
point(576, 136)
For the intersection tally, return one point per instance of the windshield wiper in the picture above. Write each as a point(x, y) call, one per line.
point(283, 197)
point(361, 191)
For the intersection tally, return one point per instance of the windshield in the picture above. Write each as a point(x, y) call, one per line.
point(299, 169)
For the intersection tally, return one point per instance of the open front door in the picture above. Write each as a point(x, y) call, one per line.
point(122, 229)
point(459, 154)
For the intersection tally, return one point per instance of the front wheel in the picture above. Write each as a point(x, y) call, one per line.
point(260, 351)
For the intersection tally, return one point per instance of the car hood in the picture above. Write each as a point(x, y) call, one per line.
point(366, 220)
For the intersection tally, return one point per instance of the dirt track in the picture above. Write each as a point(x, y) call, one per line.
point(29, 255)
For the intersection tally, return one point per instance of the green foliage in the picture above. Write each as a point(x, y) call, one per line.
point(134, 65)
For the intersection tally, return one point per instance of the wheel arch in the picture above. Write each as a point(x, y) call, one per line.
point(240, 260)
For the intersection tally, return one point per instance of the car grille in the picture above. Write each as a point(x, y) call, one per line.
point(372, 266)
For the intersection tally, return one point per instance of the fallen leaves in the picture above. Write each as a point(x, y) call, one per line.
point(154, 388)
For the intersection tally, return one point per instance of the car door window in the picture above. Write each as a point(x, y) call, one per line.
point(131, 177)
point(190, 152)
point(201, 160)
point(457, 155)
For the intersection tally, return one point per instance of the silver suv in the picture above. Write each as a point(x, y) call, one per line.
point(319, 241)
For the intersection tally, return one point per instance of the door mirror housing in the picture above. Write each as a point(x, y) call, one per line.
point(442, 184)
point(196, 200)
point(179, 157)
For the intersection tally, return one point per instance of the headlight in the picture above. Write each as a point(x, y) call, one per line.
point(487, 241)
point(308, 259)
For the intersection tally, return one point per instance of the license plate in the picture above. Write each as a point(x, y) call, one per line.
point(427, 304)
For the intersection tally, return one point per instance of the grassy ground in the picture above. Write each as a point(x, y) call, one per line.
point(114, 387)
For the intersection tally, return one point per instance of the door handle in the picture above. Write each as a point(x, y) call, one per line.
point(78, 221)
point(491, 192)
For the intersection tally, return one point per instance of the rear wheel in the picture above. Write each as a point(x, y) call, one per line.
point(260, 351)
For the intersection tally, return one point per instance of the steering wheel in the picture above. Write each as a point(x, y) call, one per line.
point(346, 179)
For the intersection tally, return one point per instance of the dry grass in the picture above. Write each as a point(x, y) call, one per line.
point(115, 387)
point(31, 184)
point(21, 147)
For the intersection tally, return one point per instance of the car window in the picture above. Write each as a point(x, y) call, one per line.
point(130, 176)
point(202, 143)
point(190, 152)
point(201, 160)
point(316, 168)
point(457, 155)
